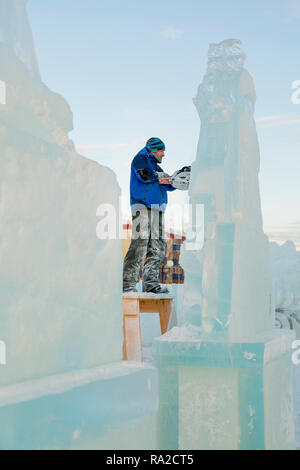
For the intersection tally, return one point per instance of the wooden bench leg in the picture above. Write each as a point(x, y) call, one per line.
point(132, 346)
point(132, 338)
point(165, 309)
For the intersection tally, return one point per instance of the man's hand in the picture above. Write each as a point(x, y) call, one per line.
point(164, 181)
point(163, 178)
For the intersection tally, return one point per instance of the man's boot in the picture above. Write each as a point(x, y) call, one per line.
point(129, 289)
point(159, 290)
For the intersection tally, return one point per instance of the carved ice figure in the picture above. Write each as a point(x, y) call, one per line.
point(225, 180)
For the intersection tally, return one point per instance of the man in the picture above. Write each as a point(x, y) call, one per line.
point(148, 199)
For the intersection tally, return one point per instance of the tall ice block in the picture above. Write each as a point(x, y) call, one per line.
point(60, 308)
point(62, 383)
point(225, 374)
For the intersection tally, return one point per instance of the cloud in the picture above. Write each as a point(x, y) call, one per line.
point(172, 33)
point(278, 120)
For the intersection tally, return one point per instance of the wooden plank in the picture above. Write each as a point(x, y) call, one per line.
point(149, 305)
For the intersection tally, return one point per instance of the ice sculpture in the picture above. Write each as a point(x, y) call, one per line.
point(226, 375)
point(55, 292)
point(225, 180)
point(16, 34)
point(64, 384)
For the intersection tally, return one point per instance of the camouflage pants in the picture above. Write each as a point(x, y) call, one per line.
point(147, 239)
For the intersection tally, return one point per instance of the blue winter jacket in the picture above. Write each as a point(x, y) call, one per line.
point(144, 186)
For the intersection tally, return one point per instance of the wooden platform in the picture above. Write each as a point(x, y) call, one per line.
point(133, 305)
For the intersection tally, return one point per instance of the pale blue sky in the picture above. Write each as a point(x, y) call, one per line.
point(130, 68)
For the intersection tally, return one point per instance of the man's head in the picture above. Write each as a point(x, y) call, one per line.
point(156, 147)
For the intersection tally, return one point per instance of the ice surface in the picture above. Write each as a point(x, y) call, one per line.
point(60, 306)
point(228, 283)
point(109, 407)
point(59, 384)
point(146, 295)
point(186, 332)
